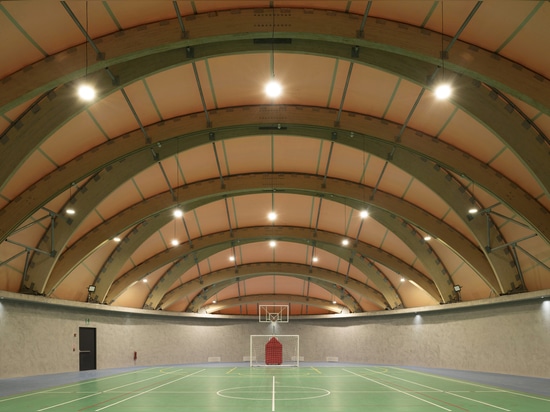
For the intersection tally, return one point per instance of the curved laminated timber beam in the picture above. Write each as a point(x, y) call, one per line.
point(378, 144)
point(132, 62)
point(280, 299)
point(215, 281)
point(405, 53)
point(197, 303)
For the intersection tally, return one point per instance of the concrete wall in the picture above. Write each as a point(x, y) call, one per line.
point(511, 338)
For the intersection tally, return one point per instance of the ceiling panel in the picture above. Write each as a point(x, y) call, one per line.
point(113, 115)
point(125, 195)
point(370, 91)
point(198, 164)
point(18, 44)
point(174, 92)
point(78, 136)
point(246, 155)
point(526, 42)
point(471, 137)
point(403, 101)
point(142, 12)
point(36, 166)
point(236, 80)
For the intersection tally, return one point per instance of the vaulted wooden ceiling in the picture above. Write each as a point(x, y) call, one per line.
point(181, 120)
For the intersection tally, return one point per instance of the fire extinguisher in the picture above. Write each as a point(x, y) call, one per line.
point(135, 356)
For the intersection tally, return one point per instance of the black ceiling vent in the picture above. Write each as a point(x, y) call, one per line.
point(275, 40)
point(278, 127)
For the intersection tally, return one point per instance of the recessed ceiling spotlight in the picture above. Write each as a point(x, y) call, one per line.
point(272, 216)
point(315, 259)
point(427, 238)
point(175, 242)
point(178, 212)
point(70, 211)
point(86, 92)
point(345, 242)
point(473, 210)
point(144, 280)
point(443, 91)
point(116, 239)
point(363, 214)
point(272, 243)
point(273, 89)
point(402, 279)
point(232, 258)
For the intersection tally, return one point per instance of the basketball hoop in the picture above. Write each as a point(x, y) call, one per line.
point(273, 313)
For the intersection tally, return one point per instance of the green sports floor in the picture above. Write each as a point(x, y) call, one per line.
point(239, 388)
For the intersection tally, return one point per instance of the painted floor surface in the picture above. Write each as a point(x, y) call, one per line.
point(304, 389)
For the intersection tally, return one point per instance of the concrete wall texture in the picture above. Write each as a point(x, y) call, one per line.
point(512, 338)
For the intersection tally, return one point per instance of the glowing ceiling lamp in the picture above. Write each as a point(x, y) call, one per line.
point(273, 89)
point(85, 91)
point(443, 91)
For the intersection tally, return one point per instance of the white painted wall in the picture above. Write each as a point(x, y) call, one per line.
point(37, 337)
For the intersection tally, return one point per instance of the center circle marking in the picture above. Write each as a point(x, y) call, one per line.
point(283, 393)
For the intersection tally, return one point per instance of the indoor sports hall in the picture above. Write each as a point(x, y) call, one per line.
point(274, 205)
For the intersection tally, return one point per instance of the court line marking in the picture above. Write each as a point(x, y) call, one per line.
point(105, 391)
point(91, 380)
point(483, 403)
point(273, 396)
point(398, 390)
point(443, 391)
point(281, 391)
point(494, 388)
point(66, 403)
point(149, 390)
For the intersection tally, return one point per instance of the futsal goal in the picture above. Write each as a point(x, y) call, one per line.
point(274, 350)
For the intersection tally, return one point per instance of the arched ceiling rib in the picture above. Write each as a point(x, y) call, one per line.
point(472, 98)
point(302, 121)
point(107, 181)
point(280, 299)
point(223, 276)
point(210, 191)
point(259, 270)
point(489, 91)
point(204, 192)
point(306, 24)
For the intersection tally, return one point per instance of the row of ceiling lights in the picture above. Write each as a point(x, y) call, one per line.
point(272, 89)
point(272, 216)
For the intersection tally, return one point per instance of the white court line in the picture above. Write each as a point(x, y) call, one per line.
point(98, 393)
point(273, 396)
point(61, 386)
point(66, 403)
point(440, 390)
point(483, 403)
point(150, 390)
point(400, 391)
point(493, 388)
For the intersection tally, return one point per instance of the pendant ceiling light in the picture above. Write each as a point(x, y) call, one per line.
point(443, 90)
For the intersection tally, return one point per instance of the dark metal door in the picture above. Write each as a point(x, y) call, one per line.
point(87, 349)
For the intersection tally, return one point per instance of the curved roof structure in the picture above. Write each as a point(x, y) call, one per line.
point(384, 195)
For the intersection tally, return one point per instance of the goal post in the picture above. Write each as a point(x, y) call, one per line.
point(274, 350)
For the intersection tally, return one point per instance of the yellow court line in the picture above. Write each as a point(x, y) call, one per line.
point(317, 370)
point(373, 370)
point(231, 370)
